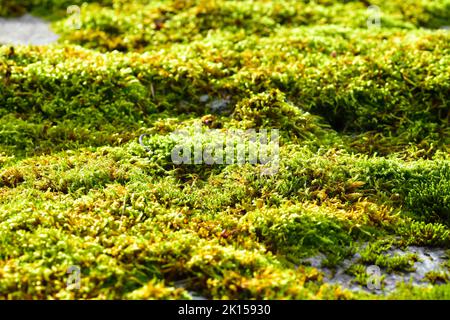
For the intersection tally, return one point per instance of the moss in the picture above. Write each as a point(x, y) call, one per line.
point(437, 277)
point(363, 152)
point(407, 292)
point(424, 234)
point(376, 254)
point(271, 110)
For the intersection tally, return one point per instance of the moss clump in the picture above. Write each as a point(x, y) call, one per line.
point(421, 233)
point(437, 277)
point(374, 254)
point(432, 200)
point(271, 110)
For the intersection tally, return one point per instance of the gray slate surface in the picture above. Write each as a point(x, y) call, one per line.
point(26, 30)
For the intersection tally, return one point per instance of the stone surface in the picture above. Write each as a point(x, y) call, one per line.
point(429, 259)
point(26, 30)
point(219, 105)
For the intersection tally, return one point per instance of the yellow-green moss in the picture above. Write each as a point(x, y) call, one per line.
point(365, 137)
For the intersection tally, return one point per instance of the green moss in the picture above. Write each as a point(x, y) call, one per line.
point(437, 277)
point(421, 233)
point(364, 141)
point(375, 254)
point(407, 292)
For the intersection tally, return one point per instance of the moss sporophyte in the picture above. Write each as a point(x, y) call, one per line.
point(226, 149)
